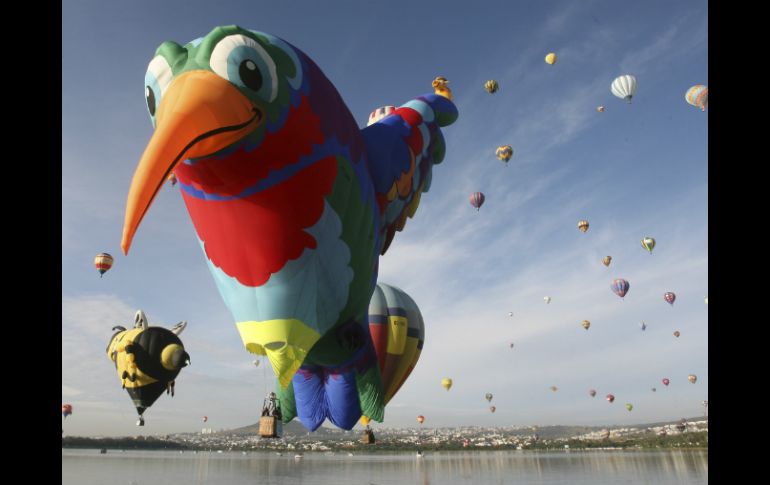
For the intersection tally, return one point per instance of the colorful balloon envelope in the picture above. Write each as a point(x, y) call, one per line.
point(492, 408)
point(103, 263)
point(666, 381)
point(586, 324)
point(491, 86)
point(550, 58)
point(607, 260)
point(692, 378)
point(624, 87)
point(583, 225)
point(477, 200)
point(610, 398)
point(698, 96)
point(421, 419)
point(504, 152)
point(379, 114)
point(398, 334)
point(620, 287)
point(648, 243)
point(592, 392)
point(446, 383)
point(66, 410)
point(669, 297)
point(677, 334)
point(629, 406)
point(488, 397)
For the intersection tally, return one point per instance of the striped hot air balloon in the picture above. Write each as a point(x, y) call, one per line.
point(504, 153)
point(477, 200)
point(491, 86)
point(692, 378)
point(648, 243)
point(103, 263)
point(583, 225)
point(698, 96)
point(379, 114)
point(66, 410)
point(624, 87)
point(620, 287)
point(669, 297)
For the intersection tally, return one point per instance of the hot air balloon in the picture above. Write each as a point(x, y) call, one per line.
point(397, 333)
point(610, 398)
point(666, 381)
point(669, 297)
point(583, 225)
point(654, 390)
point(607, 260)
point(643, 326)
point(379, 114)
point(600, 109)
point(477, 200)
point(147, 360)
point(421, 419)
point(586, 324)
point(172, 178)
point(511, 344)
point(550, 58)
point(446, 383)
point(440, 87)
point(624, 87)
point(592, 392)
point(629, 406)
point(205, 418)
point(698, 96)
point(488, 397)
point(491, 86)
point(504, 153)
point(692, 378)
point(492, 408)
point(103, 263)
point(677, 334)
point(510, 314)
point(255, 362)
point(66, 410)
point(648, 243)
point(547, 299)
point(554, 388)
point(620, 287)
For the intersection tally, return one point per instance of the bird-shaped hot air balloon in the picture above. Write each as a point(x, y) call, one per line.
point(488, 397)
point(379, 114)
point(491, 86)
point(592, 392)
point(492, 408)
point(504, 153)
point(583, 225)
point(148, 360)
point(610, 398)
point(677, 334)
point(477, 200)
point(620, 287)
point(624, 87)
point(550, 58)
point(292, 203)
point(66, 410)
point(669, 297)
point(103, 263)
point(692, 378)
point(607, 260)
point(398, 333)
point(586, 324)
point(648, 243)
point(629, 406)
point(698, 96)
point(446, 383)
point(547, 299)
point(666, 381)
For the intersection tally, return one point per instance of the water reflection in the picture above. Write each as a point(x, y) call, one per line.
point(468, 467)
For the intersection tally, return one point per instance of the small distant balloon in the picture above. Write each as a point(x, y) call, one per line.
point(654, 390)
point(629, 406)
point(547, 299)
point(504, 153)
point(610, 398)
point(592, 392)
point(420, 419)
point(648, 243)
point(66, 410)
point(511, 344)
point(677, 334)
point(172, 178)
point(477, 200)
point(669, 297)
point(698, 96)
point(256, 363)
point(492, 408)
point(491, 86)
point(692, 378)
point(586, 324)
point(600, 109)
point(510, 314)
point(643, 326)
point(583, 225)
point(666, 381)
point(554, 388)
point(103, 263)
point(488, 396)
point(550, 58)
point(607, 260)
point(205, 418)
point(446, 383)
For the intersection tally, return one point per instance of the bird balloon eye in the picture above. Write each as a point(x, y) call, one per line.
point(156, 81)
point(245, 63)
point(150, 96)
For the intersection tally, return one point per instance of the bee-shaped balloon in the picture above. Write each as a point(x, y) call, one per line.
point(147, 359)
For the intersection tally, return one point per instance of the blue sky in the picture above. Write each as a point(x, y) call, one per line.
point(633, 171)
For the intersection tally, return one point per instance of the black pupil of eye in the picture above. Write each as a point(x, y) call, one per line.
point(250, 75)
point(150, 95)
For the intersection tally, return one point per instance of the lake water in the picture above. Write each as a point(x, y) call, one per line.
point(89, 467)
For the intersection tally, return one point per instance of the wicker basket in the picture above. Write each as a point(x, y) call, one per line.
point(267, 427)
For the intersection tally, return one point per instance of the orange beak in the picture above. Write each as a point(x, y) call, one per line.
point(199, 115)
